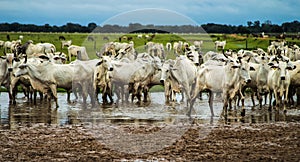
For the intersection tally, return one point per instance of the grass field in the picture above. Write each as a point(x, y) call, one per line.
point(234, 41)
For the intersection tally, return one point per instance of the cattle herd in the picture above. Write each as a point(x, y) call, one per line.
point(120, 70)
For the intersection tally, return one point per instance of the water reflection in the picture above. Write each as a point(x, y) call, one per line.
point(26, 114)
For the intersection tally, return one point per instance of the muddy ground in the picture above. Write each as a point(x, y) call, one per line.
point(248, 142)
point(151, 133)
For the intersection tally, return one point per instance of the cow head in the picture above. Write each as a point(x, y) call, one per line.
point(21, 70)
point(106, 63)
point(282, 67)
point(193, 56)
point(165, 70)
point(245, 69)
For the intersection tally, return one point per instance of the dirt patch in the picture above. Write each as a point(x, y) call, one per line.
point(248, 142)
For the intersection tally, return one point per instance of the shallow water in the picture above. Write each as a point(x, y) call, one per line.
point(26, 114)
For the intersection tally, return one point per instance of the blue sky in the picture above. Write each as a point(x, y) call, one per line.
point(160, 12)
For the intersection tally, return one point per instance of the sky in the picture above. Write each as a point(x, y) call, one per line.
point(158, 12)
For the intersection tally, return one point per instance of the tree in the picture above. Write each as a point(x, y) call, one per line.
point(257, 24)
point(249, 23)
point(91, 26)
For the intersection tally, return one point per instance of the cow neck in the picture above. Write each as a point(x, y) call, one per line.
point(231, 75)
point(104, 72)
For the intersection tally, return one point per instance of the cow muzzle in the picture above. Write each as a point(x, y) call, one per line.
point(10, 69)
point(282, 77)
point(162, 81)
point(111, 69)
point(248, 81)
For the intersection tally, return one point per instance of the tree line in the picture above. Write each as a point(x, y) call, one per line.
point(251, 27)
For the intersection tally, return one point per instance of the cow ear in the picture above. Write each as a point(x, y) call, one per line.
point(291, 67)
point(44, 57)
point(271, 64)
point(99, 63)
point(252, 68)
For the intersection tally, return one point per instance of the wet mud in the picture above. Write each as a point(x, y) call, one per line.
point(153, 132)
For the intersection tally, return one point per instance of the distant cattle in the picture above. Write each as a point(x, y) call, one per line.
point(91, 38)
point(105, 38)
point(66, 43)
point(78, 51)
point(61, 37)
point(220, 44)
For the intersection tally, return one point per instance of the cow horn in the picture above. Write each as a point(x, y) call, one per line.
point(99, 54)
point(127, 48)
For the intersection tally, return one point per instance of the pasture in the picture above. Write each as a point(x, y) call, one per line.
point(234, 41)
point(151, 131)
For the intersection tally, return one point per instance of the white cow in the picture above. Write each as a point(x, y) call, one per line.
point(226, 79)
point(168, 46)
point(48, 47)
point(184, 71)
point(157, 49)
point(78, 51)
point(60, 76)
point(66, 43)
point(220, 44)
point(279, 81)
point(29, 48)
point(198, 44)
point(177, 47)
point(102, 78)
point(1, 43)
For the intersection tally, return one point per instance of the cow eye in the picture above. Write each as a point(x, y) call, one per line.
point(167, 70)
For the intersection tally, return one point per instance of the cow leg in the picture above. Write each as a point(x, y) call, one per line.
point(126, 94)
point(210, 101)
point(298, 96)
point(34, 97)
point(168, 92)
point(252, 98)
point(109, 93)
point(182, 96)
point(41, 96)
point(68, 96)
point(270, 100)
point(266, 96)
point(54, 93)
point(118, 92)
point(285, 100)
point(276, 99)
point(230, 104)
point(292, 91)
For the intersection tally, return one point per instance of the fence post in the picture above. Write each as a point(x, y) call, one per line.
point(246, 44)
